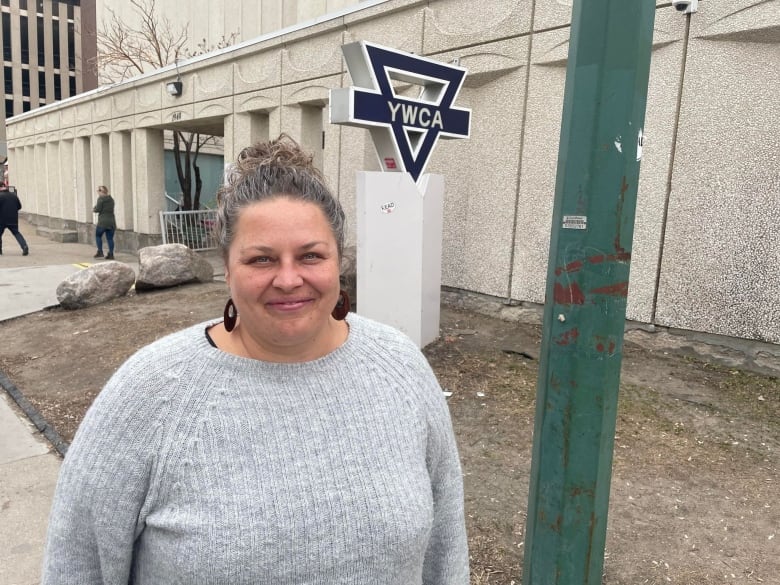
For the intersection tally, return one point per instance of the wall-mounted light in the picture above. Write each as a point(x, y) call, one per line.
point(174, 88)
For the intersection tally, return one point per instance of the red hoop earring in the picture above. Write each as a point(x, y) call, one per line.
point(342, 306)
point(230, 315)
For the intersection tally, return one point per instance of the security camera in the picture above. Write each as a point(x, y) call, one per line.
point(686, 6)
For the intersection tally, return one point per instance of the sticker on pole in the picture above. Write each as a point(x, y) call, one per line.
point(575, 222)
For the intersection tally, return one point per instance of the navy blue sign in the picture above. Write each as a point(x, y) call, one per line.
point(404, 129)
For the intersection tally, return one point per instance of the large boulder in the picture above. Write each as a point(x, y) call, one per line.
point(170, 265)
point(96, 284)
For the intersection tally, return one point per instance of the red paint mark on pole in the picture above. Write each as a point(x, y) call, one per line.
point(621, 257)
point(570, 267)
point(568, 337)
point(619, 289)
point(568, 295)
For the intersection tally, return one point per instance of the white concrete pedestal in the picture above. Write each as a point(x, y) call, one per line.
point(399, 234)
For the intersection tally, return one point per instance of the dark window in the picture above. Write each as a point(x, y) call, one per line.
point(41, 46)
point(72, 85)
point(9, 108)
point(23, 4)
point(41, 85)
point(70, 11)
point(39, 6)
point(71, 47)
point(26, 82)
point(6, 36)
point(25, 106)
point(8, 78)
point(57, 86)
point(55, 8)
point(55, 29)
point(25, 40)
point(6, 2)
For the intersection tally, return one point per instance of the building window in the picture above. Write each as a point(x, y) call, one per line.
point(26, 106)
point(26, 82)
point(6, 36)
point(22, 4)
point(41, 84)
point(6, 3)
point(70, 11)
point(41, 46)
point(39, 6)
point(9, 108)
point(25, 40)
point(8, 78)
point(71, 47)
point(55, 30)
point(57, 86)
point(72, 85)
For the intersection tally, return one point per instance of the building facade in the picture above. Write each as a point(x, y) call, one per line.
point(44, 52)
point(707, 235)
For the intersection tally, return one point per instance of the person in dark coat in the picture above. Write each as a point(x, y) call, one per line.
point(106, 222)
point(9, 217)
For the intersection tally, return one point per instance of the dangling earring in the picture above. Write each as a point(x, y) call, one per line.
point(231, 316)
point(342, 306)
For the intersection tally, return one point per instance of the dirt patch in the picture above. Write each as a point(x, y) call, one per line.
point(695, 479)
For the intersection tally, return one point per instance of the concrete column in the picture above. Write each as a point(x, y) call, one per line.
point(38, 181)
point(82, 162)
point(101, 163)
point(53, 187)
point(243, 129)
point(149, 180)
point(122, 179)
point(68, 192)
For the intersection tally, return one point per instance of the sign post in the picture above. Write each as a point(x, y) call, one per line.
point(400, 210)
point(587, 288)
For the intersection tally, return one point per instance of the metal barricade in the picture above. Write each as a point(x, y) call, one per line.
point(194, 229)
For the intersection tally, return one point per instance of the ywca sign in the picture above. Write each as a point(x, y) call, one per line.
point(404, 129)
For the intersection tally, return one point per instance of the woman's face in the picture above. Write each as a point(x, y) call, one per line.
point(283, 273)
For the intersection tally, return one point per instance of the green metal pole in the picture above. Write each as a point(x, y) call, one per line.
point(587, 286)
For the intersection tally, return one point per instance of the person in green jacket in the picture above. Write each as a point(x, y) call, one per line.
point(106, 222)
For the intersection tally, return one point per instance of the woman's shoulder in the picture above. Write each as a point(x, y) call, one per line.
point(380, 343)
point(369, 331)
point(170, 352)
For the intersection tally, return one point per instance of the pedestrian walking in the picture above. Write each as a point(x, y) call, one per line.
point(106, 222)
point(9, 216)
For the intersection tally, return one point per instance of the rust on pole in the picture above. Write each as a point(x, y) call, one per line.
point(587, 287)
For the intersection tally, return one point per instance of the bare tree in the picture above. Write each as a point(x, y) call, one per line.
point(124, 51)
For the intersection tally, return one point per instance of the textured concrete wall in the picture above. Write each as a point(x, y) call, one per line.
point(706, 243)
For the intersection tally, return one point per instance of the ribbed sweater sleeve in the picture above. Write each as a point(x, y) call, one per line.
point(197, 466)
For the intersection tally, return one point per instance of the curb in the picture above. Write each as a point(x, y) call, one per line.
point(32, 413)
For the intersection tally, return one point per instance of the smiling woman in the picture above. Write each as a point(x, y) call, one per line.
point(289, 443)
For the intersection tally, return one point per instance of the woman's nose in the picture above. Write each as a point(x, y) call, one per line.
point(287, 275)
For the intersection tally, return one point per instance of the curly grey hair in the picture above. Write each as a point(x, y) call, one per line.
point(272, 169)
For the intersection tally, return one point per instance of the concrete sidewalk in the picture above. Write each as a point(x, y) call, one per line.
point(28, 463)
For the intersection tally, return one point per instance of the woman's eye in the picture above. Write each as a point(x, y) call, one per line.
point(261, 260)
point(311, 256)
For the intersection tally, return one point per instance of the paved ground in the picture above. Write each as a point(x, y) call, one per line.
point(28, 464)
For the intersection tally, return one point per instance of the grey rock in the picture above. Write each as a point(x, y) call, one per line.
point(96, 284)
point(170, 265)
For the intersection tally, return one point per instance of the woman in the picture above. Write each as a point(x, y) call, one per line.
point(106, 222)
point(284, 444)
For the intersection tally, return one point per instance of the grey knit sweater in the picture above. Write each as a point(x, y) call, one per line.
point(195, 466)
